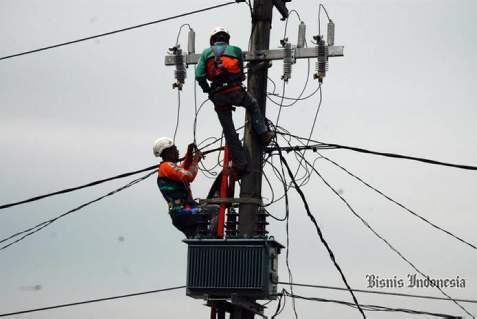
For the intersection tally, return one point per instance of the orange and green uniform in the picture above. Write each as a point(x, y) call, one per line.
point(222, 65)
point(174, 183)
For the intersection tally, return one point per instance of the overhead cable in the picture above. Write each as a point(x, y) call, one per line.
point(399, 204)
point(320, 234)
point(374, 307)
point(394, 249)
point(101, 181)
point(362, 150)
point(419, 159)
point(396, 294)
point(117, 31)
point(32, 230)
point(78, 303)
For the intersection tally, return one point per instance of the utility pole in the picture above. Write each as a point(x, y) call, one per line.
point(213, 273)
point(251, 186)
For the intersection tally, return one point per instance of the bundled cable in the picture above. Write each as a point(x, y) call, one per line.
point(320, 234)
point(32, 230)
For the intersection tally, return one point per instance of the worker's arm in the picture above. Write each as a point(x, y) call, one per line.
point(188, 157)
point(240, 56)
point(201, 72)
point(177, 173)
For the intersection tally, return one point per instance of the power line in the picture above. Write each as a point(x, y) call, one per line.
point(178, 114)
point(91, 184)
point(375, 292)
point(373, 307)
point(320, 234)
point(91, 301)
point(72, 189)
point(398, 204)
point(32, 230)
point(362, 150)
point(394, 249)
point(116, 31)
point(393, 155)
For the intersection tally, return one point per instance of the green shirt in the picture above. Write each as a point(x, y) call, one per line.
point(230, 51)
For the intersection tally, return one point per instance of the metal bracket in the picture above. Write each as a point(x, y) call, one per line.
point(244, 200)
point(248, 305)
point(261, 55)
point(237, 303)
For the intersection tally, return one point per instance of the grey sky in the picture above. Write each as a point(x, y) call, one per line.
point(91, 110)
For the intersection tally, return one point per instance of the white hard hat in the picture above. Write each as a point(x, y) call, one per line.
point(219, 29)
point(161, 144)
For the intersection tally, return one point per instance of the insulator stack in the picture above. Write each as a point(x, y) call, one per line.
point(331, 33)
point(232, 223)
point(287, 61)
point(301, 35)
point(262, 222)
point(191, 41)
point(203, 226)
point(322, 63)
point(180, 73)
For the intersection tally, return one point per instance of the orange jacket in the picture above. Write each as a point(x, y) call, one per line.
point(184, 172)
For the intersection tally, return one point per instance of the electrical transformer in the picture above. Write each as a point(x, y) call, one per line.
point(218, 268)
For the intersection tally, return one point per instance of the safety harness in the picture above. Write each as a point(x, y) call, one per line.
point(222, 78)
point(177, 194)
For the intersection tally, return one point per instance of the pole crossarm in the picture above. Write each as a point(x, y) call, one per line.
point(243, 200)
point(261, 55)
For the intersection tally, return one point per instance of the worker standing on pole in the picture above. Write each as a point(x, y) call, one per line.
point(174, 183)
point(222, 65)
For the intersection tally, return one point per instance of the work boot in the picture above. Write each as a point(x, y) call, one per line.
point(266, 138)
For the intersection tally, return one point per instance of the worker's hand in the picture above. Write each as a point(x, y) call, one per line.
point(198, 156)
point(190, 148)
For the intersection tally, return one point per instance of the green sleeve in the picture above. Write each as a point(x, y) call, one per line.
point(201, 70)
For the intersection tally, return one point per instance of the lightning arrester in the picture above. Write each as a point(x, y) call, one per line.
point(301, 35)
point(191, 41)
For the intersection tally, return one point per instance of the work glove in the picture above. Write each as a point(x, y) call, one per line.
point(204, 85)
point(190, 148)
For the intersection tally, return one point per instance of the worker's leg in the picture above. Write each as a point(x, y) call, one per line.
point(251, 105)
point(186, 220)
point(237, 153)
point(242, 98)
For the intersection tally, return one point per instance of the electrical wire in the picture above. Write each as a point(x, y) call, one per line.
point(399, 204)
point(373, 307)
point(116, 31)
point(178, 114)
point(280, 307)
point(195, 109)
point(78, 303)
point(290, 98)
point(321, 6)
point(180, 30)
point(32, 230)
point(286, 21)
point(311, 130)
point(320, 234)
point(287, 231)
point(97, 182)
point(365, 223)
point(396, 294)
point(72, 189)
point(367, 151)
point(196, 115)
point(393, 155)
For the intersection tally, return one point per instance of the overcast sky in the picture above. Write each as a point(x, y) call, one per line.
point(86, 111)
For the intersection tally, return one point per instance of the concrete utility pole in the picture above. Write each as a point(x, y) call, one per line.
point(251, 186)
